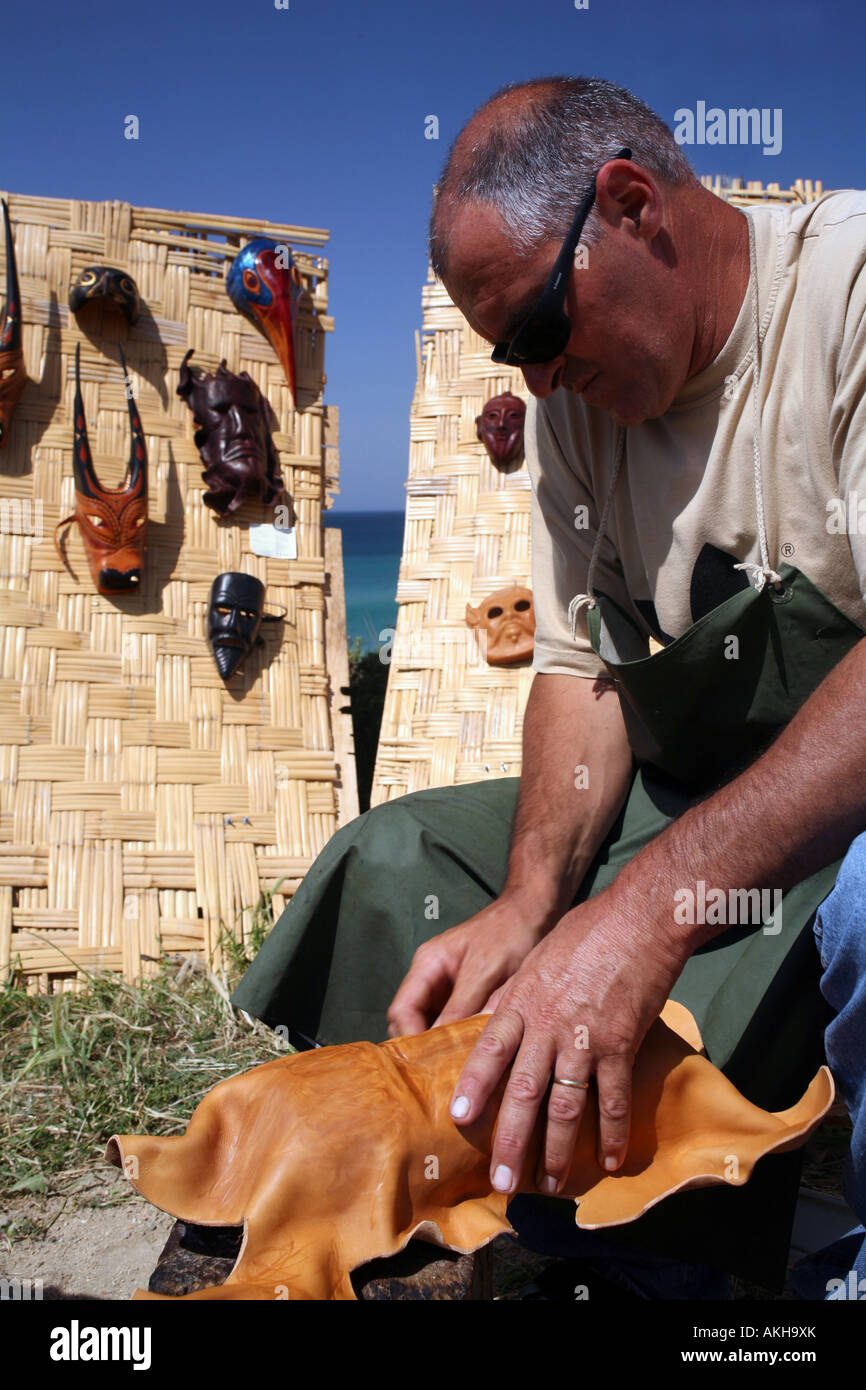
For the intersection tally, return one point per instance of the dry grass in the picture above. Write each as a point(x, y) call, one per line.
point(76, 1068)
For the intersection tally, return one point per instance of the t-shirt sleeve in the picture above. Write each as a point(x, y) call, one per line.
point(561, 549)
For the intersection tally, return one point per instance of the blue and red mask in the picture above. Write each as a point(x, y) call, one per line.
point(265, 285)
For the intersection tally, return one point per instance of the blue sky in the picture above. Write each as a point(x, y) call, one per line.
point(316, 114)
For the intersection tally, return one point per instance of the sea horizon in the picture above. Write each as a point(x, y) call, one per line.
point(372, 547)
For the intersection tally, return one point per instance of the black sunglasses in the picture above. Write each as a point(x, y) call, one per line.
point(544, 334)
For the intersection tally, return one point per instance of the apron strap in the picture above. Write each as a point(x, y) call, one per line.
point(758, 575)
point(588, 599)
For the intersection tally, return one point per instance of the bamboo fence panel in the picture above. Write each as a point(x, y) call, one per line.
point(144, 806)
point(448, 716)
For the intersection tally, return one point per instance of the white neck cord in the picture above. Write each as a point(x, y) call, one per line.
point(758, 575)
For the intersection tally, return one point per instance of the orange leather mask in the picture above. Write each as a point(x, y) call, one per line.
point(112, 521)
point(13, 373)
point(507, 620)
point(338, 1156)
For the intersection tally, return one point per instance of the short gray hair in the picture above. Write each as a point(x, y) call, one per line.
point(535, 163)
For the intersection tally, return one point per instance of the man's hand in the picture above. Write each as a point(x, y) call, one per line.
point(560, 821)
point(579, 1006)
point(454, 974)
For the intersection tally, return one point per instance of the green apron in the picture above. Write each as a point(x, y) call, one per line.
point(696, 716)
point(411, 868)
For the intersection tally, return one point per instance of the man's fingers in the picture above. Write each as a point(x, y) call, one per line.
point(565, 1107)
point(419, 997)
point(518, 1112)
point(493, 1002)
point(467, 999)
point(613, 1075)
point(485, 1065)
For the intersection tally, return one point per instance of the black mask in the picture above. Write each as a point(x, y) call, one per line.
point(107, 282)
point(235, 615)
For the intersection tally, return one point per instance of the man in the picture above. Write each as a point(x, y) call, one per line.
point(699, 383)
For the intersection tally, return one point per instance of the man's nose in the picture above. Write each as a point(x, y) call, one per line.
point(543, 378)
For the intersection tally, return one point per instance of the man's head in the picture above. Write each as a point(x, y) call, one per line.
point(504, 205)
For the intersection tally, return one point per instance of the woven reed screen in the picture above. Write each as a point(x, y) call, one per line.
point(448, 716)
point(143, 805)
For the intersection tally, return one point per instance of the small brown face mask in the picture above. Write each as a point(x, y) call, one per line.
point(500, 429)
point(112, 521)
point(508, 618)
point(13, 373)
point(233, 437)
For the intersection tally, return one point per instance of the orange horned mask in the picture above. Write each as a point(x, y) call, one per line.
point(112, 521)
point(334, 1157)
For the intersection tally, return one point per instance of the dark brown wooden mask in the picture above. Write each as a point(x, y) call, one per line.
point(13, 373)
point(233, 437)
point(112, 521)
point(507, 618)
point(500, 429)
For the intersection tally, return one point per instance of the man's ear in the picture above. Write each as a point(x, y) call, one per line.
point(627, 191)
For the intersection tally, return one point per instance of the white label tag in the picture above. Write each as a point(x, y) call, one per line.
point(274, 542)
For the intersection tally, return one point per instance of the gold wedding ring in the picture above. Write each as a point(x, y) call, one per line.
point(564, 1081)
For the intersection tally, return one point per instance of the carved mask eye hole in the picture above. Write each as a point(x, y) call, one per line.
point(494, 612)
point(251, 281)
point(140, 520)
point(87, 279)
point(95, 520)
point(522, 604)
point(6, 372)
point(126, 285)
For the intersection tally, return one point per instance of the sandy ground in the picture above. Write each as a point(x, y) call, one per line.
point(101, 1244)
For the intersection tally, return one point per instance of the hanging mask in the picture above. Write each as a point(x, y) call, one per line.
point(234, 616)
point(508, 618)
point(13, 373)
point(106, 282)
point(112, 521)
point(233, 437)
point(264, 284)
point(500, 429)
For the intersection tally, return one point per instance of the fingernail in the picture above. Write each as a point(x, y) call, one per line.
point(548, 1186)
point(611, 1163)
point(502, 1178)
point(459, 1107)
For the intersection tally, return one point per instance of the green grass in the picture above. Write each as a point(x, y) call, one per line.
point(76, 1068)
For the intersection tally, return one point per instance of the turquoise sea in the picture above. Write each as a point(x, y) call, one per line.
point(372, 544)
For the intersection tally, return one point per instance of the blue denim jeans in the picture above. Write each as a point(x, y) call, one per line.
point(840, 934)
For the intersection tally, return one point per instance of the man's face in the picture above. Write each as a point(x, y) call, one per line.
point(630, 343)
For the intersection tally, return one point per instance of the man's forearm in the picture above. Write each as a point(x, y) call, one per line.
point(577, 769)
point(795, 810)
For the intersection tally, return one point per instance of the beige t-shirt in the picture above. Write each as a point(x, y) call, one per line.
point(684, 507)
